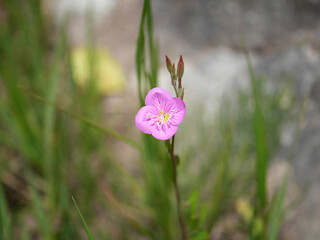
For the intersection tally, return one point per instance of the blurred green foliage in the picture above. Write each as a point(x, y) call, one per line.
point(46, 156)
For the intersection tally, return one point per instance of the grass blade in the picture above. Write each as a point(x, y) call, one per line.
point(150, 75)
point(153, 56)
point(277, 213)
point(98, 127)
point(140, 53)
point(260, 137)
point(89, 234)
point(41, 214)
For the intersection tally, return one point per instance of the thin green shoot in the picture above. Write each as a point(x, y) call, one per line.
point(98, 127)
point(277, 213)
point(89, 234)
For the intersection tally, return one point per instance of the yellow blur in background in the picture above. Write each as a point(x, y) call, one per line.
point(107, 73)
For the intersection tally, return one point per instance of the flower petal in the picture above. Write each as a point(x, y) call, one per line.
point(178, 111)
point(159, 98)
point(164, 132)
point(144, 118)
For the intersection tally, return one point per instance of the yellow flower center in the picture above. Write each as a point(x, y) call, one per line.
point(164, 117)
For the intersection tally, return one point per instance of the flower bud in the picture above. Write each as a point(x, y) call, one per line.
point(173, 72)
point(180, 68)
point(169, 65)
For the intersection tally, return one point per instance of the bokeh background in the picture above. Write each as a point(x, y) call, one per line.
point(81, 56)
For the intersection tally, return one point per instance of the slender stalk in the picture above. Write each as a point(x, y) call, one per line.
point(176, 189)
point(98, 127)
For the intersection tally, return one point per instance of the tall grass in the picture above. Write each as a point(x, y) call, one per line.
point(54, 145)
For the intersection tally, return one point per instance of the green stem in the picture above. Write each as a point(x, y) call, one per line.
point(177, 193)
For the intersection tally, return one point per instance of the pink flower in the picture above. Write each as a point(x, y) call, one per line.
point(161, 115)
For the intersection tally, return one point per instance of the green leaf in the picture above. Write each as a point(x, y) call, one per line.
point(277, 213)
point(140, 53)
point(260, 136)
point(150, 70)
point(89, 234)
point(203, 214)
point(193, 201)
